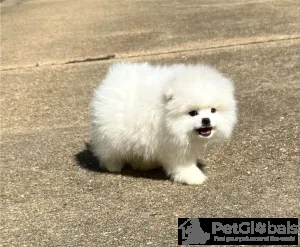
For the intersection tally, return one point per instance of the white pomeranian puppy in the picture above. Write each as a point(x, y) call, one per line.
point(151, 116)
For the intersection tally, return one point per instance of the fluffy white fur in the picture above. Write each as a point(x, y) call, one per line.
point(141, 114)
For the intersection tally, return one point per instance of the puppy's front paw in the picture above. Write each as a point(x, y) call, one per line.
point(189, 175)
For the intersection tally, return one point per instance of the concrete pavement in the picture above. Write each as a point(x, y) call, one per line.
point(59, 31)
point(53, 194)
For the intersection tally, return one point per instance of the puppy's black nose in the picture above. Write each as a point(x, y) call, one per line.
point(205, 121)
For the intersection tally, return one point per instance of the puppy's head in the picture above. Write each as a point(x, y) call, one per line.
point(199, 104)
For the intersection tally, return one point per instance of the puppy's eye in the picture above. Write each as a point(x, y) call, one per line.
point(193, 113)
point(213, 110)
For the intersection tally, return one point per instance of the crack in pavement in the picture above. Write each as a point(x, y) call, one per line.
point(108, 57)
point(113, 56)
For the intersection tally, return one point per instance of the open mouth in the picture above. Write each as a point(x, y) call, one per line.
point(204, 131)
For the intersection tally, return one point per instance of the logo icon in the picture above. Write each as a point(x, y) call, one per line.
point(192, 232)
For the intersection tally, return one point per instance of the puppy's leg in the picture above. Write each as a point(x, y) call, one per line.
point(187, 174)
point(108, 160)
point(113, 165)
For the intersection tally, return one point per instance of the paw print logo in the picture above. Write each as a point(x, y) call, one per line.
point(261, 228)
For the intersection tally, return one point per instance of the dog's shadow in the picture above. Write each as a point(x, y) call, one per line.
point(86, 160)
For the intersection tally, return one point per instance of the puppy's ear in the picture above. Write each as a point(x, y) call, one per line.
point(168, 95)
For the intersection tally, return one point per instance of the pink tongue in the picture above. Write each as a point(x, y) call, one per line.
point(205, 131)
